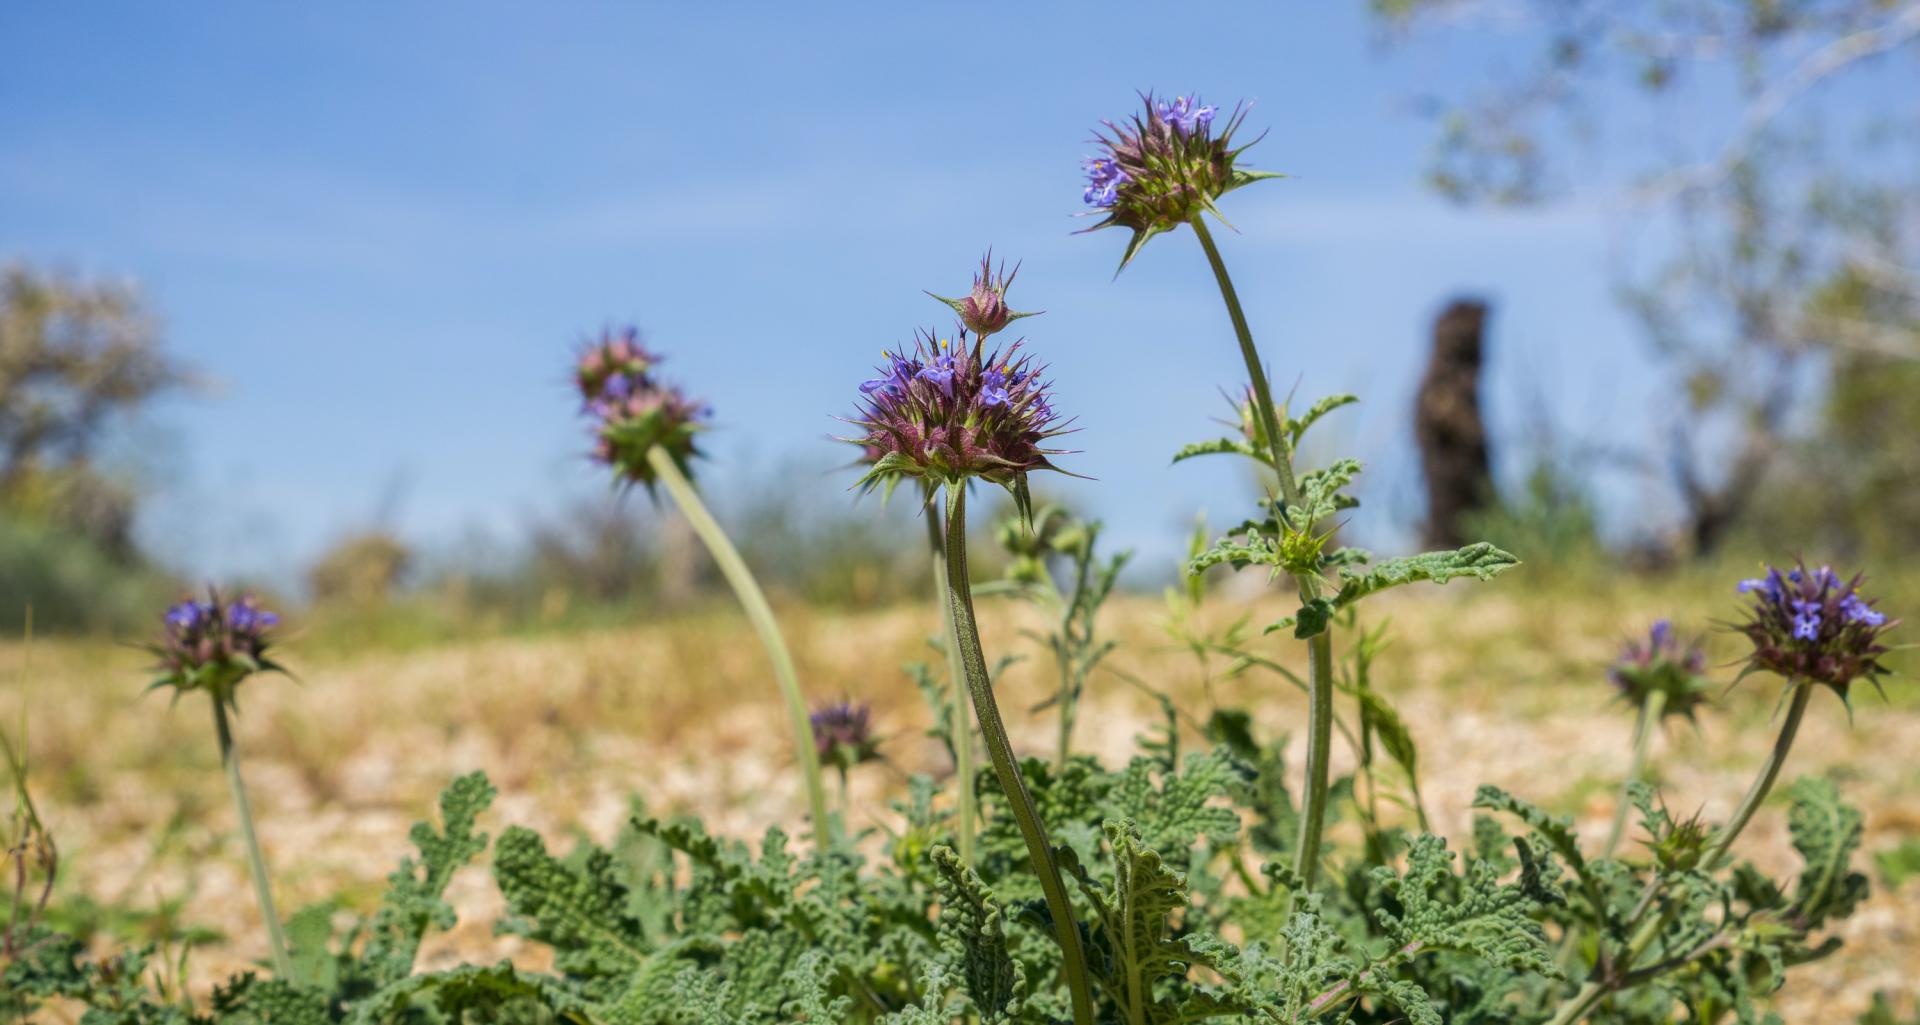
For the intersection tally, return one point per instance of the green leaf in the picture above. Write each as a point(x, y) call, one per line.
point(1481, 561)
point(1471, 913)
point(1222, 446)
point(1133, 947)
point(413, 902)
point(973, 935)
point(1296, 427)
point(1826, 832)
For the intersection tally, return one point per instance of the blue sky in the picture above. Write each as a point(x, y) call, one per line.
point(382, 229)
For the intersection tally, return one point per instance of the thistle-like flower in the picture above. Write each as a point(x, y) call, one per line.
point(634, 411)
point(1811, 627)
point(213, 645)
point(984, 310)
point(843, 735)
point(1665, 664)
point(1162, 166)
point(948, 412)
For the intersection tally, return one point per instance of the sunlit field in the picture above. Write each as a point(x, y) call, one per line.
point(579, 729)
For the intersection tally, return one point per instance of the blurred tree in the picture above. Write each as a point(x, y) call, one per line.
point(1793, 266)
point(1449, 428)
point(75, 356)
point(363, 568)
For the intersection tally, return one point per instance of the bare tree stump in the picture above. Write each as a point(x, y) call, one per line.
point(1448, 425)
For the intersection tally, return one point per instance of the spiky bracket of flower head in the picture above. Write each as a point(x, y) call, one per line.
point(213, 645)
point(1809, 626)
point(633, 411)
point(843, 735)
point(948, 412)
point(1163, 165)
point(1664, 664)
point(985, 311)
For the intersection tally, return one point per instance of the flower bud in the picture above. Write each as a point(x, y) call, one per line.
point(984, 310)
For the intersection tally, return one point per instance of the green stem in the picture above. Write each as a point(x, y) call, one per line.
point(1763, 783)
point(962, 724)
point(1593, 992)
point(760, 614)
point(256, 862)
point(1650, 713)
point(1306, 857)
point(1320, 646)
point(1005, 768)
point(1062, 662)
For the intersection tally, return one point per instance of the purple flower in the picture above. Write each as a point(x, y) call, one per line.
point(843, 735)
point(633, 411)
point(1163, 166)
point(1185, 114)
point(1810, 626)
point(1663, 663)
point(1104, 178)
point(963, 413)
point(213, 646)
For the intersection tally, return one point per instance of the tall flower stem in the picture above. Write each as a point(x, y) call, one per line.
point(1650, 712)
point(1073, 961)
point(1716, 853)
point(1592, 993)
point(754, 602)
point(962, 714)
point(1306, 860)
point(256, 862)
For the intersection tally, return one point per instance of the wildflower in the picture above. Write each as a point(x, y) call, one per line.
point(1809, 626)
point(948, 412)
point(213, 645)
point(984, 310)
point(1163, 166)
point(843, 735)
point(634, 411)
point(1665, 664)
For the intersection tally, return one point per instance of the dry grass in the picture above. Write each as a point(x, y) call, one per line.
point(1500, 685)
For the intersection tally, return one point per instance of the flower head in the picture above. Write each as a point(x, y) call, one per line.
point(948, 412)
point(1163, 166)
point(634, 412)
point(212, 645)
point(1665, 664)
point(843, 735)
point(1809, 626)
point(984, 310)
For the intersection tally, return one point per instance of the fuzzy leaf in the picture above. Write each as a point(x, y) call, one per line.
point(1480, 560)
point(413, 902)
point(1826, 832)
point(973, 935)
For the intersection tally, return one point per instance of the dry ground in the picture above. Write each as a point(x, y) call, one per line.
point(1502, 686)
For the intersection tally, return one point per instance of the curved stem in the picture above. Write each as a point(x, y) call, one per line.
point(256, 862)
point(1763, 783)
point(1073, 962)
point(1264, 408)
point(760, 614)
point(962, 724)
point(1320, 646)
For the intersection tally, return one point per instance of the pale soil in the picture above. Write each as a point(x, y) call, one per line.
point(1500, 687)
